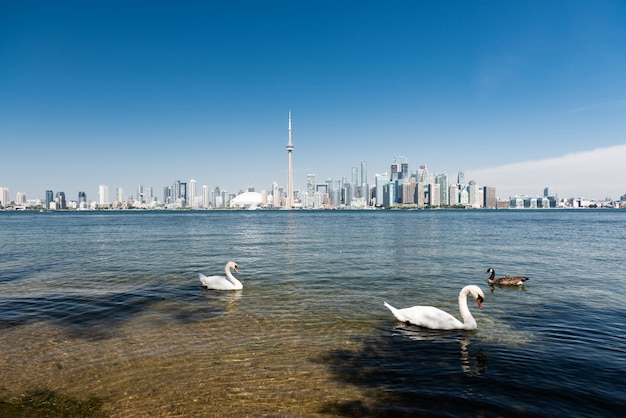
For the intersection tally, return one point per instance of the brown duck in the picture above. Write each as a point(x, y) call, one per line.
point(505, 280)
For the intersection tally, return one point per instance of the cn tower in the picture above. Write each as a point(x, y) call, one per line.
point(289, 200)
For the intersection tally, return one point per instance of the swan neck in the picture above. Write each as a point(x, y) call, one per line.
point(468, 319)
point(231, 277)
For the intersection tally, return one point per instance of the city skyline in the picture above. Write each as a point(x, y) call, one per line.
point(518, 95)
point(187, 191)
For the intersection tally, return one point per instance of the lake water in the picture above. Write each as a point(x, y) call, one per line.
point(109, 305)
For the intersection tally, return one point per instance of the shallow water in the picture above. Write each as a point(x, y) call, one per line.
point(108, 304)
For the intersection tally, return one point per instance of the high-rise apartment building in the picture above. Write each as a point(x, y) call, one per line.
point(363, 172)
point(4, 196)
point(442, 181)
point(310, 186)
point(103, 195)
point(393, 174)
point(20, 199)
point(206, 197)
point(49, 198)
point(453, 195)
point(192, 193)
point(119, 195)
point(380, 181)
point(489, 197)
point(460, 179)
point(472, 194)
point(60, 201)
point(434, 194)
point(404, 171)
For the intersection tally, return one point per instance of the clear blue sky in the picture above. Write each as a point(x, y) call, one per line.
point(127, 93)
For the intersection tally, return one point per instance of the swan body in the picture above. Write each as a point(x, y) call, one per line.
point(505, 280)
point(434, 318)
point(220, 282)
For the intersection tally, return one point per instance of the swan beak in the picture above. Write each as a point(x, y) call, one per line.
point(479, 300)
point(236, 269)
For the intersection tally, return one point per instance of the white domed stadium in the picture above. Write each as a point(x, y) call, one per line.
point(247, 200)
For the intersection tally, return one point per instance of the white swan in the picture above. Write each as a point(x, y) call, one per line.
point(220, 282)
point(434, 318)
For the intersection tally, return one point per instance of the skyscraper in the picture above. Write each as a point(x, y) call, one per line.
point(103, 194)
point(206, 197)
point(49, 198)
point(192, 194)
point(119, 195)
point(363, 172)
point(289, 199)
point(4, 196)
point(394, 171)
point(489, 197)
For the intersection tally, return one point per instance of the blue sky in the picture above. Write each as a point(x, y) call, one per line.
point(128, 93)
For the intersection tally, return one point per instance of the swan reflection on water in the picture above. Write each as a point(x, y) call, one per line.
point(472, 363)
point(227, 299)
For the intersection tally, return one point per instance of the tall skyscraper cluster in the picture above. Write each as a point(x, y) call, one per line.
point(398, 187)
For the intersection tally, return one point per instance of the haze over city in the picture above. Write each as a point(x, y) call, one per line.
point(518, 95)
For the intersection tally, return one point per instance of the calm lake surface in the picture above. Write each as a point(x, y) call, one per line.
point(109, 305)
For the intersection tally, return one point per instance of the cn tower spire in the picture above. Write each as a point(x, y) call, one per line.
point(289, 200)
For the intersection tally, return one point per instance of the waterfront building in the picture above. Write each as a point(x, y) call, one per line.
point(82, 201)
point(216, 197)
point(453, 195)
point(176, 194)
point(49, 198)
point(442, 181)
point(408, 191)
point(226, 198)
point(119, 194)
point(393, 176)
point(335, 197)
point(310, 190)
point(464, 196)
point(472, 192)
point(192, 193)
point(4, 196)
point(404, 171)
point(103, 195)
point(20, 199)
point(380, 181)
point(363, 172)
point(60, 201)
point(275, 195)
point(389, 194)
point(247, 200)
point(489, 197)
point(434, 194)
point(140, 197)
point(420, 194)
point(206, 197)
point(349, 194)
point(329, 185)
point(423, 176)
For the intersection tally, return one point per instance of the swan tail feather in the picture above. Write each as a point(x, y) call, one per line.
point(395, 312)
